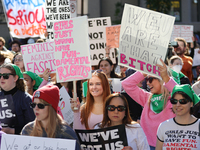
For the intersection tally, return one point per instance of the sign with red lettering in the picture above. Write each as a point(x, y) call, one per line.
point(112, 36)
point(72, 52)
point(56, 10)
point(39, 56)
point(184, 31)
point(144, 38)
point(25, 18)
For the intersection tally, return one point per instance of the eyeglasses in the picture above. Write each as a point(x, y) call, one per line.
point(20, 59)
point(181, 101)
point(119, 108)
point(5, 75)
point(97, 71)
point(150, 79)
point(39, 105)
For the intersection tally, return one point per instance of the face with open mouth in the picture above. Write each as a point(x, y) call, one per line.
point(154, 84)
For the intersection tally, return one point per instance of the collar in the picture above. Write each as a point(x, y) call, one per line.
point(12, 92)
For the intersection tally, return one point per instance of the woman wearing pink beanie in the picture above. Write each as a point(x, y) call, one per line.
point(48, 123)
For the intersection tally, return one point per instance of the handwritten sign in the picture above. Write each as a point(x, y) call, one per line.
point(56, 11)
point(103, 139)
point(39, 56)
point(97, 37)
point(144, 38)
point(112, 36)
point(20, 142)
point(184, 31)
point(64, 106)
point(72, 52)
point(7, 111)
point(25, 18)
point(196, 58)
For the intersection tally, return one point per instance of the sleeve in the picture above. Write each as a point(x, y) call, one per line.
point(27, 129)
point(160, 134)
point(77, 121)
point(142, 142)
point(131, 88)
point(44, 82)
point(170, 84)
point(196, 87)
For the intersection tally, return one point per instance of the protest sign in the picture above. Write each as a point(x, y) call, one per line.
point(64, 106)
point(144, 38)
point(7, 111)
point(20, 142)
point(56, 11)
point(183, 31)
point(38, 56)
point(196, 58)
point(72, 52)
point(25, 18)
point(73, 7)
point(103, 139)
point(97, 37)
point(115, 84)
point(112, 36)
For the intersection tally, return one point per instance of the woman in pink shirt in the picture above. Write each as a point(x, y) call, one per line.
point(91, 113)
point(156, 103)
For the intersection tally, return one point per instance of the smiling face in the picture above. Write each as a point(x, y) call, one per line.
point(95, 87)
point(19, 62)
point(116, 116)
point(154, 86)
point(10, 83)
point(181, 109)
point(106, 67)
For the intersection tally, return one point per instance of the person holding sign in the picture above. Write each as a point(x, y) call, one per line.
point(182, 131)
point(47, 122)
point(156, 103)
point(11, 82)
point(91, 112)
point(116, 112)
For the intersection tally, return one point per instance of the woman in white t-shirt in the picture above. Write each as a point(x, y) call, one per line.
point(181, 132)
point(116, 112)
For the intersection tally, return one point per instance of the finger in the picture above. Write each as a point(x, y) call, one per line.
point(162, 62)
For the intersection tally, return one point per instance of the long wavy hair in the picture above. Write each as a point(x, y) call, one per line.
point(54, 121)
point(20, 82)
point(106, 122)
point(88, 106)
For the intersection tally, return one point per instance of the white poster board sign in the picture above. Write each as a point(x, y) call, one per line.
point(115, 85)
point(64, 106)
point(144, 38)
point(196, 58)
point(20, 142)
point(56, 10)
point(39, 56)
point(72, 52)
point(97, 37)
point(184, 31)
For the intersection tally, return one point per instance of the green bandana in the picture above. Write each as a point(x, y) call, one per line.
point(157, 103)
point(176, 76)
point(17, 71)
point(186, 88)
point(35, 77)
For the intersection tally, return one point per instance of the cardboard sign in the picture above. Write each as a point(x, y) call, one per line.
point(25, 18)
point(112, 36)
point(144, 38)
point(196, 58)
point(7, 111)
point(184, 31)
point(64, 106)
point(56, 10)
point(38, 56)
point(20, 142)
point(103, 139)
point(72, 52)
point(97, 37)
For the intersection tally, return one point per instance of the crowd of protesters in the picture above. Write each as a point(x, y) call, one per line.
point(152, 109)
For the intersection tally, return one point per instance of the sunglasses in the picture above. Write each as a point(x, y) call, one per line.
point(5, 75)
point(150, 79)
point(39, 105)
point(181, 101)
point(97, 71)
point(119, 108)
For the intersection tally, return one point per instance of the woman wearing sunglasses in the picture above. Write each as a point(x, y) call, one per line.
point(116, 112)
point(11, 82)
point(156, 103)
point(91, 112)
point(181, 131)
point(47, 122)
